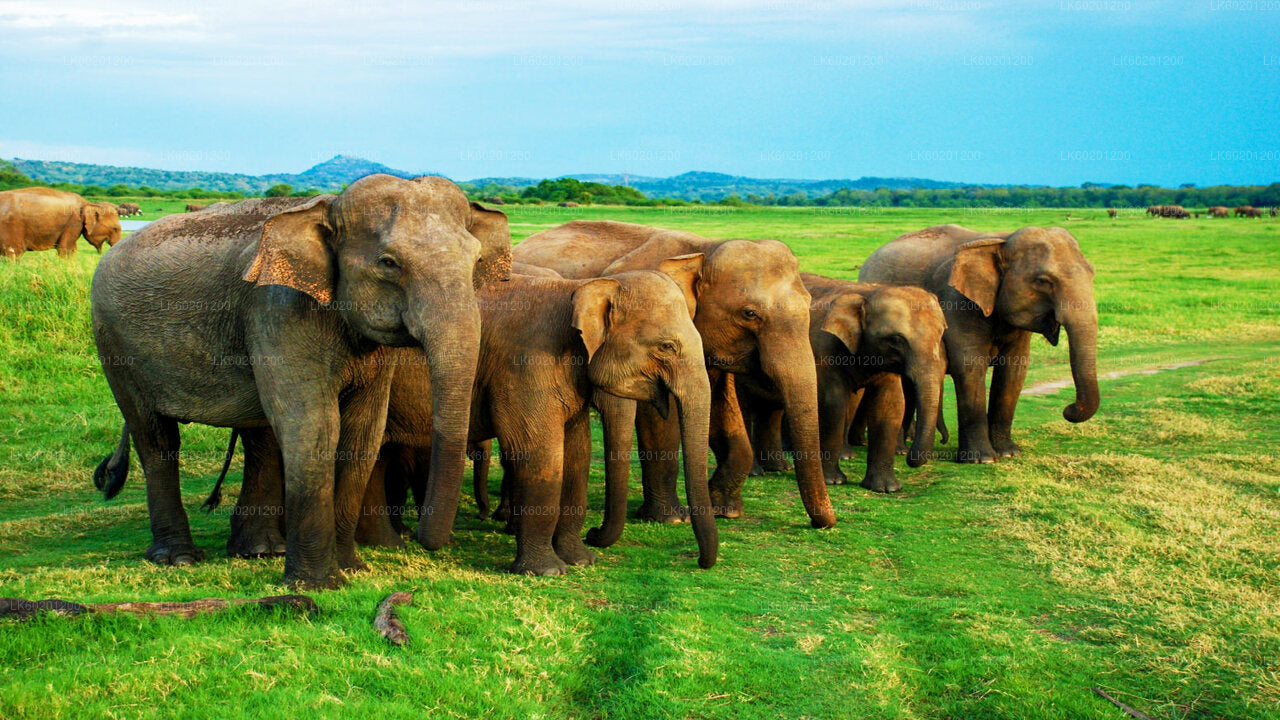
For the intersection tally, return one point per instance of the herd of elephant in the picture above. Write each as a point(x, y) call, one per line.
point(1217, 211)
point(366, 344)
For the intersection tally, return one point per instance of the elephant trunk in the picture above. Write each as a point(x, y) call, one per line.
point(1082, 334)
point(692, 391)
point(451, 338)
point(926, 374)
point(789, 363)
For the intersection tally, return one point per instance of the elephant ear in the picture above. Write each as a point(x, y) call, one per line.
point(592, 303)
point(89, 214)
point(686, 271)
point(294, 251)
point(976, 271)
point(491, 229)
point(845, 318)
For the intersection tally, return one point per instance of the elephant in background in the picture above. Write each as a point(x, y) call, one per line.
point(866, 340)
point(1219, 211)
point(996, 289)
point(128, 209)
point(278, 313)
point(1248, 211)
point(39, 218)
point(752, 311)
point(196, 207)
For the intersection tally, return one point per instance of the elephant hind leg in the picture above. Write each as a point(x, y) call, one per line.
point(157, 441)
point(257, 521)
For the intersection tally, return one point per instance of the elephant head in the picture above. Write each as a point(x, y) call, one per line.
point(753, 314)
point(898, 329)
point(399, 260)
point(101, 223)
point(1037, 279)
point(642, 345)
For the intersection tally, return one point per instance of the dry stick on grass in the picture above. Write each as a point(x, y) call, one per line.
point(23, 609)
point(1127, 710)
point(388, 623)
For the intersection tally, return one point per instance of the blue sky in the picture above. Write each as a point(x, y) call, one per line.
point(1053, 92)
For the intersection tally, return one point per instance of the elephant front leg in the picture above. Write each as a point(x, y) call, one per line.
point(374, 526)
point(618, 418)
point(971, 412)
point(567, 540)
point(257, 522)
point(363, 420)
point(833, 404)
point(1006, 385)
point(659, 441)
point(885, 407)
point(769, 455)
point(536, 500)
point(731, 445)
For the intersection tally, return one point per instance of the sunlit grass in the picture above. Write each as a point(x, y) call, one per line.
point(1138, 552)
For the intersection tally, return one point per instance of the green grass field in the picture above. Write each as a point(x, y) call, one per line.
point(1138, 552)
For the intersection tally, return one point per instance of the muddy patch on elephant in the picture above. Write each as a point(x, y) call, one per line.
point(1052, 386)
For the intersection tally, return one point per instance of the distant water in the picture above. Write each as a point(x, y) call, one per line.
point(131, 225)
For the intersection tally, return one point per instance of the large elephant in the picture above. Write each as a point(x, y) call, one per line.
point(43, 218)
point(865, 337)
point(752, 311)
point(996, 289)
point(1219, 211)
point(278, 312)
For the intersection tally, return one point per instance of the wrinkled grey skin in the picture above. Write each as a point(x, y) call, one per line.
point(278, 313)
point(996, 289)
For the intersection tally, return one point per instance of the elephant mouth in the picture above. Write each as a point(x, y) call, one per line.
point(1050, 328)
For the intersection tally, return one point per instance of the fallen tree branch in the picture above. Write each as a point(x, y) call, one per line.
point(388, 623)
point(1127, 710)
point(21, 609)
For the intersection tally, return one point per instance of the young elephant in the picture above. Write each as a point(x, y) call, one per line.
point(996, 289)
point(865, 338)
point(43, 218)
point(278, 312)
point(546, 346)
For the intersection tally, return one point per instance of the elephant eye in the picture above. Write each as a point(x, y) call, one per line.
point(750, 314)
point(388, 262)
point(669, 347)
point(1044, 281)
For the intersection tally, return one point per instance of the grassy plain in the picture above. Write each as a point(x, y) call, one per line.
point(1138, 552)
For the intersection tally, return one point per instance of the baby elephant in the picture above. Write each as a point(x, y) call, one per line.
point(546, 346)
point(865, 338)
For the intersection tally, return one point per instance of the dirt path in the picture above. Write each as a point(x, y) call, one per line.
point(1048, 388)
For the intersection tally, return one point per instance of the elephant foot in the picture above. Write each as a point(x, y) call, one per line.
point(330, 579)
point(573, 552)
point(599, 537)
point(775, 463)
point(256, 540)
point(542, 563)
point(502, 513)
point(383, 536)
point(1006, 448)
point(835, 477)
point(984, 455)
point(176, 553)
point(664, 512)
point(726, 504)
point(901, 449)
point(756, 470)
point(509, 527)
point(881, 483)
point(848, 453)
point(348, 562)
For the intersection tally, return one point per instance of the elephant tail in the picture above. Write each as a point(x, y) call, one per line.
point(111, 473)
point(215, 497)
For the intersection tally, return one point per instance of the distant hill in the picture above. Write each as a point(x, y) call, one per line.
point(341, 170)
point(331, 174)
point(709, 186)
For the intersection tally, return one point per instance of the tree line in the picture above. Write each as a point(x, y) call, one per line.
point(1089, 195)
